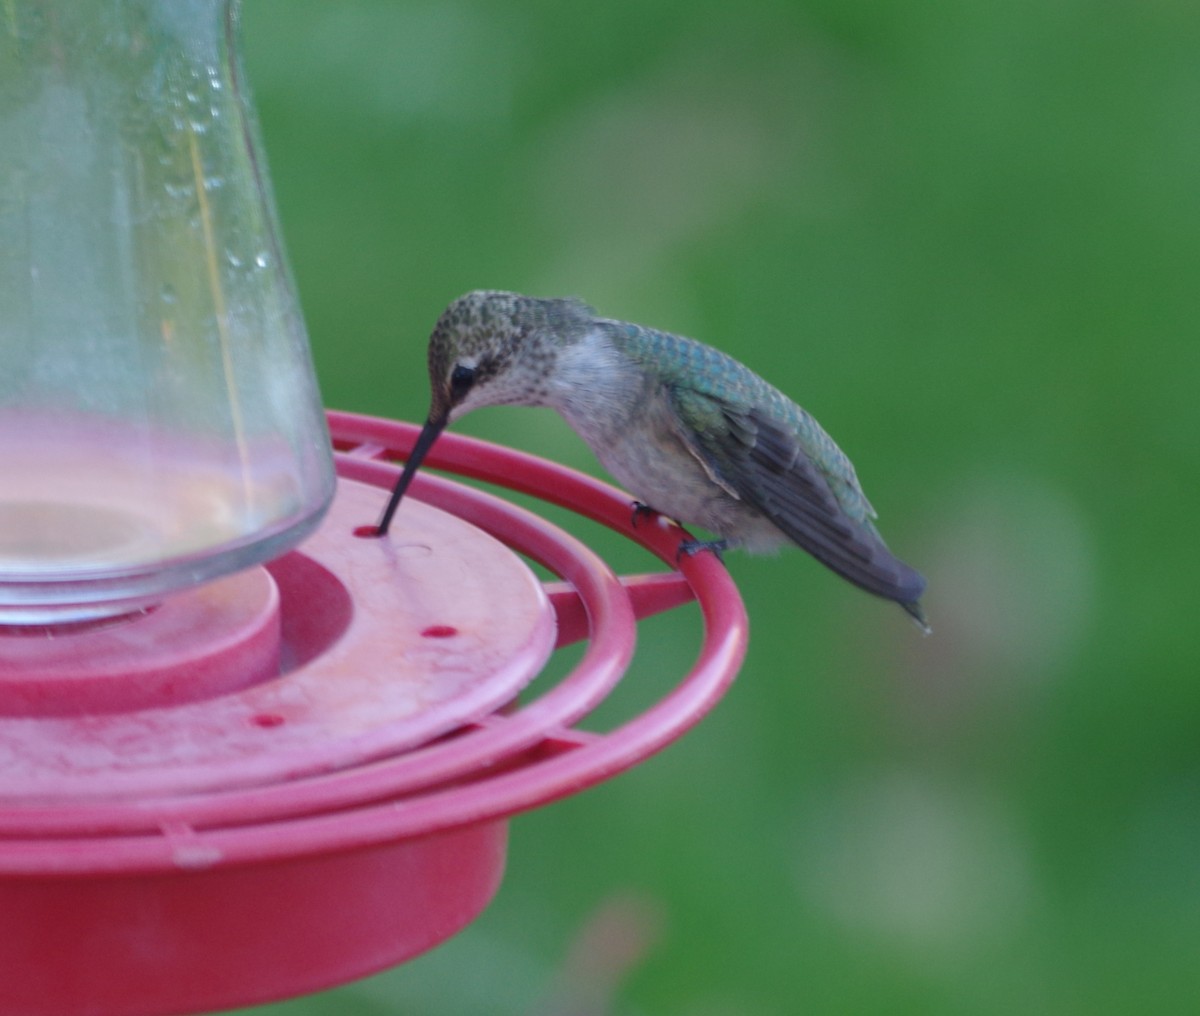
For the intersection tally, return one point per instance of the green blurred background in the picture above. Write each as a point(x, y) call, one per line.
point(965, 235)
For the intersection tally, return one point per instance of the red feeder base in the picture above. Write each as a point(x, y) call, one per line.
point(302, 774)
point(146, 945)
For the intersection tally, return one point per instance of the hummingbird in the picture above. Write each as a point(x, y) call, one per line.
point(689, 431)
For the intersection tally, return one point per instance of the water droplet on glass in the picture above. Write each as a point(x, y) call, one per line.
point(233, 259)
point(261, 260)
point(167, 294)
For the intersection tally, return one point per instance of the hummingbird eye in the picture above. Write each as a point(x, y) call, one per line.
point(461, 379)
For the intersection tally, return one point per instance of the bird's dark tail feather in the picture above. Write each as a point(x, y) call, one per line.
point(914, 611)
point(887, 576)
point(877, 570)
point(907, 590)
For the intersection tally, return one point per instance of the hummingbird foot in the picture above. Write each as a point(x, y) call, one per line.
point(639, 510)
point(693, 547)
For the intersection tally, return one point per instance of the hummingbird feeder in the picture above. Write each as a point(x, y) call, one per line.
point(247, 750)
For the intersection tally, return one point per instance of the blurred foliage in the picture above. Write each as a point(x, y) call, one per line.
point(965, 235)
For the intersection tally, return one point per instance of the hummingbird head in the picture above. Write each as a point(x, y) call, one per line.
point(491, 348)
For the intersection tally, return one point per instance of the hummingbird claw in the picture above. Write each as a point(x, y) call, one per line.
point(693, 547)
point(639, 510)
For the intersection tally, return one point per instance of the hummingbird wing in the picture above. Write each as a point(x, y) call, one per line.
point(772, 455)
point(775, 457)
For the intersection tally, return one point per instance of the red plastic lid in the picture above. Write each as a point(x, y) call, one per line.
point(443, 625)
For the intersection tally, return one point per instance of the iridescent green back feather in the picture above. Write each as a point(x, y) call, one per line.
point(714, 391)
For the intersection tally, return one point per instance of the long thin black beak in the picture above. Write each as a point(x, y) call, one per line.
point(433, 427)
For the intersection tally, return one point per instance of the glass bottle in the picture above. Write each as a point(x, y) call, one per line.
point(159, 419)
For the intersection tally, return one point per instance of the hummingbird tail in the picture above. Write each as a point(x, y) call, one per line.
point(914, 611)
